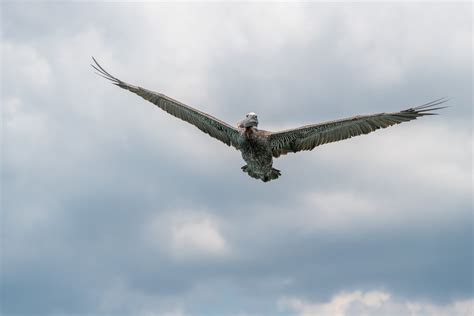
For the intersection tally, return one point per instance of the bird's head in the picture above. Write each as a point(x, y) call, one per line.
point(250, 120)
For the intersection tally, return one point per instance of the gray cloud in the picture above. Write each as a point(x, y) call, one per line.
point(112, 207)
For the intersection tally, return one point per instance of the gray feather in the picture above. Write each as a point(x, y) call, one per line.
point(205, 122)
point(309, 136)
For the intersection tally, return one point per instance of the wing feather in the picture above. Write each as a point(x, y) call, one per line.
point(309, 136)
point(205, 122)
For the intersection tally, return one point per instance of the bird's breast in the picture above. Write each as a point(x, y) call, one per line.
point(255, 151)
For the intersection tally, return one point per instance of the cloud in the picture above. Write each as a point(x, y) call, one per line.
point(373, 303)
point(111, 206)
point(200, 236)
point(120, 298)
point(187, 235)
point(30, 67)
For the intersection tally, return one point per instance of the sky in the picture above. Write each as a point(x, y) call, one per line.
point(110, 206)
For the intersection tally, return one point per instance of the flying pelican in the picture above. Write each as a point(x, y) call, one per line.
point(259, 147)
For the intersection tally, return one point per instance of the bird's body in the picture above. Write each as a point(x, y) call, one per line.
point(259, 147)
point(257, 153)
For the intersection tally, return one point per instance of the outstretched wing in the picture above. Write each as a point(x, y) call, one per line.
point(205, 122)
point(309, 136)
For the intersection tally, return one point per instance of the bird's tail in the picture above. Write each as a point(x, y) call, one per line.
point(272, 175)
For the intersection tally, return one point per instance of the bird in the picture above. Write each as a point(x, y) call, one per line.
point(258, 147)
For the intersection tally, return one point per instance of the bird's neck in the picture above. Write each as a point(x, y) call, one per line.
point(250, 131)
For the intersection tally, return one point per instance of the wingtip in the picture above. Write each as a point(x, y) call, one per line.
point(99, 70)
point(431, 106)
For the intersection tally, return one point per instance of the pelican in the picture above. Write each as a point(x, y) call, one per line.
point(259, 147)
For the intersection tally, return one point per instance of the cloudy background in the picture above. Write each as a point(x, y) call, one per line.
point(113, 207)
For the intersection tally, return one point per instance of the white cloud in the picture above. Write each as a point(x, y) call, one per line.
point(24, 67)
point(199, 235)
point(369, 52)
point(374, 303)
point(398, 165)
point(336, 210)
point(187, 235)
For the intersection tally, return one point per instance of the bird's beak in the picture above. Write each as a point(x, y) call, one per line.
point(249, 122)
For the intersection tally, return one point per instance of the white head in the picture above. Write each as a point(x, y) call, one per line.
point(250, 120)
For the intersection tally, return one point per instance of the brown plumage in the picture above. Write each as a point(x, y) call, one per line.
point(258, 147)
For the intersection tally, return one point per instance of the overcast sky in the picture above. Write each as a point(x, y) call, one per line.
point(113, 207)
